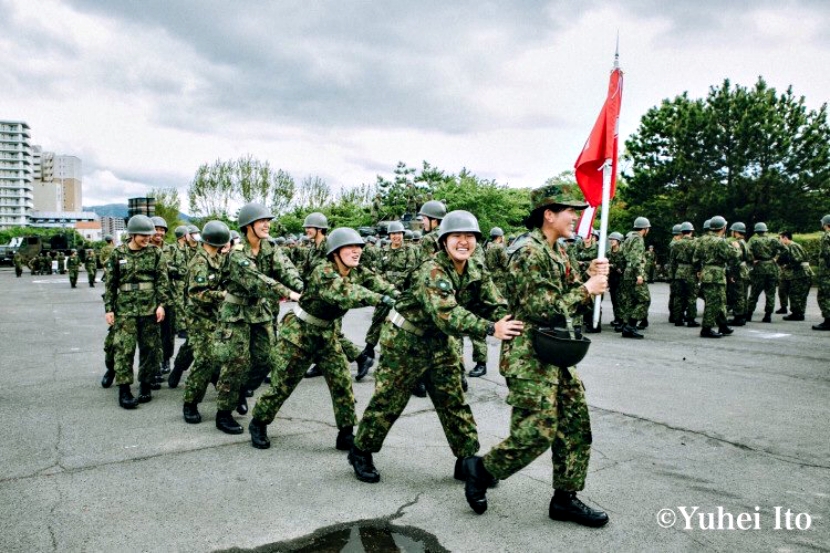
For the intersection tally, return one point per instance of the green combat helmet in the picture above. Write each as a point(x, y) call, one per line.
point(216, 233)
point(316, 220)
point(394, 226)
point(641, 223)
point(707, 224)
point(180, 231)
point(616, 236)
point(433, 209)
point(686, 226)
point(717, 223)
point(159, 222)
point(458, 221)
point(280, 240)
point(738, 227)
point(675, 230)
point(341, 237)
point(825, 221)
point(408, 235)
point(141, 224)
point(556, 347)
point(234, 235)
point(108, 238)
point(251, 212)
point(496, 232)
point(761, 227)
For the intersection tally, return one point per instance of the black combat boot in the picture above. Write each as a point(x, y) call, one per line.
point(464, 384)
point(175, 376)
point(794, 317)
point(824, 325)
point(737, 320)
point(144, 395)
point(125, 397)
point(671, 318)
point(479, 370)
point(707, 332)
point(725, 330)
point(566, 506)
point(781, 311)
point(154, 383)
point(364, 362)
point(225, 423)
point(643, 324)
point(364, 468)
point(259, 434)
point(459, 474)
point(165, 366)
point(345, 438)
point(420, 389)
point(313, 371)
point(191, 413)
point(679, 323)
point(748, 317)
point(108, 378)
point(242, 404)
point(477, 479)
point(767, 318)
point(691, 323)
point(630, 330)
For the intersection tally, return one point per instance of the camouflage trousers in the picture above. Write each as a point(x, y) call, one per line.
point(797, 290)
point(736, 295)
point(292, 360)
point(614, 292)
point(240, 347)
point(823, 295)
point(635, 300)
point(479, 350)
point(350, 349)
point(168, 333)
point(379, 315)
point(18, 271)
point(129, 332)
point(73, 278)
point(684, 307)
point(546, 415)
point(714, 309)
point(404, 360)
point(784, 292)
point(109, 350)
point(765, 283)
point(179, 301)
point(90, 275)
point(200, 334)
point(185, 355)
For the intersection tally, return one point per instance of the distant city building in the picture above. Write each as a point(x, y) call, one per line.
point(16, 174)
point(90, 230)
point(57, 181)
point(141, 206)
point(69, 176)
point(114, 226)
point(61, 219)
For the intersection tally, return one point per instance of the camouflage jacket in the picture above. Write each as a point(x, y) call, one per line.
point(793, 262)
point(73, 263)
point(634, 249)
point(309, 257)
point(824, 255)
point(616, 263)
point(205, 284)
point(273, 262)
point(440, 301)
point(146, 268)
point(17, 259)
point(369, 258)
point(91, 262)
point(681, 255)
point(329, 295)
point(544, 289)
point(250, 292)
point(585, 254)
point(427, 248)
point(395, 264)
point(179, 257)
point(740, 269)
point(763, 249)
point(496, 258)
point(105, 253)
point(711, 257)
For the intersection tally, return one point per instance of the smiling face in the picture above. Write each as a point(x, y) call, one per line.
point(141, 240)
point(158, 237)
point(396, 238)
point(262, 228)
point(350, 255)
point(460, 246)
point(562, 222)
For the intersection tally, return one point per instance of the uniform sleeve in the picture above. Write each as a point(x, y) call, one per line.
point(491, 303)
point(111, 283)
point(242, 271)
point(376, 283)
point(285, 272)
point(437, 294)
point(345, 294)
point(198, 289)
point(635, 257)
point(163, 296)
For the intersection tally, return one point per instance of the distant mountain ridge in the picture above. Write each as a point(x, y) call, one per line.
point(120, 210)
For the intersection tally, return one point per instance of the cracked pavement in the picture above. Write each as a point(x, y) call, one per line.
point(737, 423)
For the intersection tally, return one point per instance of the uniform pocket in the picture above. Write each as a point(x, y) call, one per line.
point(533, 395)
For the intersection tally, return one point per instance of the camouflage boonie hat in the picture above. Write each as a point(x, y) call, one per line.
point(557, 194)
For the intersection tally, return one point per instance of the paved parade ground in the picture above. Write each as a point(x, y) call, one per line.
point(720, 445)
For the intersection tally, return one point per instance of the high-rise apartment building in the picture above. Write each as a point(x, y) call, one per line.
point(68, 175)
point(16, 174)
point(57, 181)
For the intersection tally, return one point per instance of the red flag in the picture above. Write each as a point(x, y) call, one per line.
point(601, 145)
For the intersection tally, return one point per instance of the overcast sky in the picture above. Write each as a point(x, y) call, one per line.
point(146, 91)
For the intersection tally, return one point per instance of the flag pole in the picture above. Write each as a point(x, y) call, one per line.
point(606, 199)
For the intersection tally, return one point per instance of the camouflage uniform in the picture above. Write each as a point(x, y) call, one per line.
point(681, 254)
point(136, 285)
point(245, 335)
point(440, 303)
point(584, 255)
point(737, 284)
point(616, 262)
point(496, 257)
point(712, 255)
point(34, 265)
point(393, 264)
point(74, 265)
point(548, 402)
point(91, 266)
point(823, 296)
point(61, 259)
point(46, 264)
point(168, 325)
point(206, 296)
point(796, 276)
point(764, 276)
point(651, 265)
point(635, 299)
point(17, 259)
point(327, 297)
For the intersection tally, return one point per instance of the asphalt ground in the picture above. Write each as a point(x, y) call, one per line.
point(736, 431)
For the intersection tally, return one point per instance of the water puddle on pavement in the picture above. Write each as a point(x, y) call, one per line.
point(364, 537)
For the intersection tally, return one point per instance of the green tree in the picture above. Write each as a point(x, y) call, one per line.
point(168, 207)
point(211, 190)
